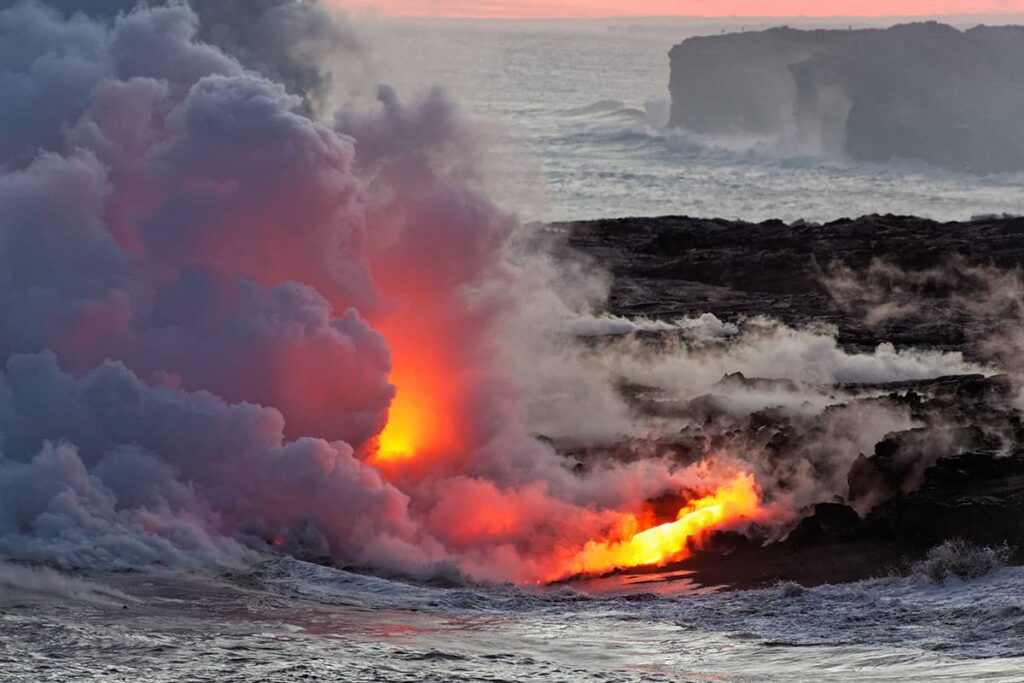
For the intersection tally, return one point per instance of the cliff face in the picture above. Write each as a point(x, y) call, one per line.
point(740, 82)
point(918, 91)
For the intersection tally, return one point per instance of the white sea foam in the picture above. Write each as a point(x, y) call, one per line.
point(292, 620)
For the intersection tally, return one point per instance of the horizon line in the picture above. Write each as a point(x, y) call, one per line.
point(694, 17)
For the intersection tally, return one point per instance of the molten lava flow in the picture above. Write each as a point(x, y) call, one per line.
point(671, 541)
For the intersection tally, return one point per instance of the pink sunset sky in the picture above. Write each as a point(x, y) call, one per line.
point(707, 8)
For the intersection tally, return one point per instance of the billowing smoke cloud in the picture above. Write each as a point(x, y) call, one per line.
point(298, 43)
point(158, 475)
point(197, 228)
point(227, 308)
point(205, 293)
point(173, 210)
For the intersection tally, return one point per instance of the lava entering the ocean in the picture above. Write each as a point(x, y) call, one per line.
point(423, 427)
point(737, 500)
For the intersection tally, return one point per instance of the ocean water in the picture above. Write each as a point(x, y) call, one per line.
point(289, 621)
point(580, 116)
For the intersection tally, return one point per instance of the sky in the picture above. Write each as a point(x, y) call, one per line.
point(708, 8)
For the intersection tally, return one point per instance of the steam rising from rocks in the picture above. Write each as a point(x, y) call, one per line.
point(207, 275)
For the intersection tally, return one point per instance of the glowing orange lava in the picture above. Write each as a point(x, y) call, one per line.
point(671, 541)
point(421, 419)
point(409, 419)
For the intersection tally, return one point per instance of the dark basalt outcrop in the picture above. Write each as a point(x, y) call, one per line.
point(975, 495)
point(957, 473)
point(677, 266)
point(917, 91)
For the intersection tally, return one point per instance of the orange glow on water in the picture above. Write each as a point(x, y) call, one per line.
point(671, 541)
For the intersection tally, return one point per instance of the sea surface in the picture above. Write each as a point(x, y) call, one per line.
point(580, 118)
point(288, 621)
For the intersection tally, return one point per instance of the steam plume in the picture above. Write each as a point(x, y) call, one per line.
point(228, 313)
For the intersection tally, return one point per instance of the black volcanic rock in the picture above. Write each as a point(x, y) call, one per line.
point(978, 497)
point(958, 473)
point(675, 266)
point(739, 380)
point(916, 91)
point(829, 523)
point(901, 461)
point(975, 498)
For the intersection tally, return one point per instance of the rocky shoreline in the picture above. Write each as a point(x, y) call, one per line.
point(675, 266)
point(957, 474)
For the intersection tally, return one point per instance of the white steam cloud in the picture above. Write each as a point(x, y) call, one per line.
point(209, 274)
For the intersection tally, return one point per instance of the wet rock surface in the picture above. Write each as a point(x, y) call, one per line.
point(957, 471)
